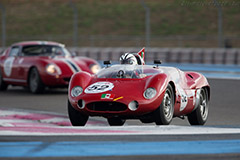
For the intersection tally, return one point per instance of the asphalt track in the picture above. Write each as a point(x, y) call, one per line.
point(208, 144)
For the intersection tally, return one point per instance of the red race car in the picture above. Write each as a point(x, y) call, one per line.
point(38, 64)
point(149, 93)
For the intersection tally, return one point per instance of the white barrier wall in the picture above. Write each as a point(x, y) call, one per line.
point(168, 55)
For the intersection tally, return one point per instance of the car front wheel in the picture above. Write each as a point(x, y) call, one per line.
point(35, 82)
point(76, 118)
point(164, 114)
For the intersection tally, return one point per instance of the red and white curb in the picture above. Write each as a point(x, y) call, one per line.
point(18, 118)
point(20, 123)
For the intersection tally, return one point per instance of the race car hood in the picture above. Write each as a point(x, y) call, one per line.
point(121, 90)
point(76, 64)
point(69, 65)
point(117, 88)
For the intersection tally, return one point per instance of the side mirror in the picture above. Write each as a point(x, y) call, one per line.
point(74, 54)
point(107, 63)
point(157, 62)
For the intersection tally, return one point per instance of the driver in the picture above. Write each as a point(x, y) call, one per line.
point(131, 59)
point(128, 58)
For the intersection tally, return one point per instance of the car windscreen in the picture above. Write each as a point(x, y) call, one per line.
point(127, 71)
point(44, 50)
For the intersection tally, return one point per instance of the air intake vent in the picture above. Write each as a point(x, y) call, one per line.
point(107, 106)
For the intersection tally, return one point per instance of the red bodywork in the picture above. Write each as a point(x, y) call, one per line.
point(15, 66)
point(122, 91)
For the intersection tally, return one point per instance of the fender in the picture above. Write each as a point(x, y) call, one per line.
point(159, 82)
point(197, 79)
point(81, 79)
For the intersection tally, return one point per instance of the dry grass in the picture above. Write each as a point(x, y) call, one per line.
point(114, 17)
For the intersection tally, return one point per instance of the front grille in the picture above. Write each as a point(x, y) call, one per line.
point(107, 106)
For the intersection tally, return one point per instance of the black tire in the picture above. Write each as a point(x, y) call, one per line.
point(147, 120)
point(115, 121)
point(200, 114)
point(164, 113)
point(76, 118)
point(35, 83)
point(3, 85)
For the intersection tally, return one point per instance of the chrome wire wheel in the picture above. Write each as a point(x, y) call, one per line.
point(200, 114)
point(167, 105)
point(203, 105)
point(164, 114)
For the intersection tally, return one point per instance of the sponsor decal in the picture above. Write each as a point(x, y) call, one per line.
point(118, 98)
point(99, 87)
point(107, 96)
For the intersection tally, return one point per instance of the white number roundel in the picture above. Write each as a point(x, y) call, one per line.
point(99, 87)
point(8, 66)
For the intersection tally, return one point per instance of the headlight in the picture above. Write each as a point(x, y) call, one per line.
point(76, 91)
point(53, 69)
point(133, 106)
point(94, 68)
point(149, 93)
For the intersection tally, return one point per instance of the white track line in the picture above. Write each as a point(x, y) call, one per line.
point(124, 130)
point(23, 123)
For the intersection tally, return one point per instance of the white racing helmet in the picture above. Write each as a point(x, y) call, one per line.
point(128, 58)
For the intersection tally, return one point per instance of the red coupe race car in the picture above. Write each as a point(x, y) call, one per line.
point(145, 92)
point(38, 64)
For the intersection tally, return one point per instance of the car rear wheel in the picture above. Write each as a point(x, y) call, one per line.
point(76, 118)
point(199, 116)
point(3, 85)
point(115, 121)
point(164, 114)
point(35, 83)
